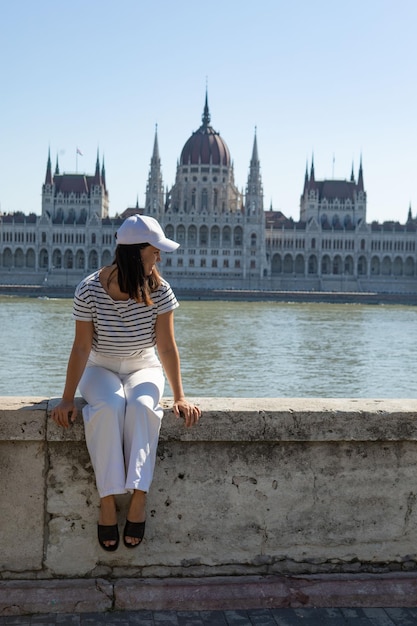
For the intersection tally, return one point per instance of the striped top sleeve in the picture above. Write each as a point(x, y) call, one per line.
point(121, 328)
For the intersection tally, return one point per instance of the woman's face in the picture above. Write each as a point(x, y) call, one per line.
point(149, 255)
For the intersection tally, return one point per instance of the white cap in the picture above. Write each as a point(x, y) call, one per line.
point(144, 229)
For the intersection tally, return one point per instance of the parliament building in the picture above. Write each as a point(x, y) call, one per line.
point(228, 240)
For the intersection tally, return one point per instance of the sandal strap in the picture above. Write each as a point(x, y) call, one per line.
point(134, 529)
point(108, 533)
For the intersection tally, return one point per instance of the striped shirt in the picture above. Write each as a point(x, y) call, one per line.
point(121, 328)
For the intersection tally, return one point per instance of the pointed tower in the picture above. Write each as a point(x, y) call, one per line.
point(103, 175)
point(360, 177)
point(48, 189)
point(312, 175)
point(154, 199)
point(97, 176)
point(410, 215)
point(48, 177)
point(254, 191)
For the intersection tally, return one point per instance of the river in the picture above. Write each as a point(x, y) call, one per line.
point(236, 349)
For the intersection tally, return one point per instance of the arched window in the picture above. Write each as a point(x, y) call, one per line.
point(43, 259)
point(215, 236)
point(80, 260)
point(337, 265)
point(238, 236)
point(362, 266)
point(19, 259)
point(93, 260)
point(386, 267)
point(192, 235)
point(288, 266)
point(299, 264)
point(276, 266)
point(375, 266)
point(227, 235)
point(68, 260)
point(169, 231)
point(397, 268)
point(325, 264)
point(30, 258)
point(409, 266)
point(203, 236)
point(349, 265)
point(57, 259)
point(181, 233)
point(312, 264)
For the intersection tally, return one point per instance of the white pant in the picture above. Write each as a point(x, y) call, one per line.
point(122, 419)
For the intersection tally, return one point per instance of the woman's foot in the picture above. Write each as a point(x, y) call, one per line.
point(135, 522)
point(108, 518)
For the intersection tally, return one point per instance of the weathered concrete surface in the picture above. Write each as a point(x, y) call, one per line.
point(251, 592)
point(55, 596)
point(212, 593)
point(259, 487)
point(22, 483)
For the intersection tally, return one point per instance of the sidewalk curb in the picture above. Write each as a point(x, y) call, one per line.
point(215, 593)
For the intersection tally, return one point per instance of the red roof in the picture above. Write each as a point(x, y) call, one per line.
point(206, 147)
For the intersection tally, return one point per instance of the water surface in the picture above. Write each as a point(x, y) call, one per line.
point(236, 349)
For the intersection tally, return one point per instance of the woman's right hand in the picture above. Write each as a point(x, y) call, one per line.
point(64, 413)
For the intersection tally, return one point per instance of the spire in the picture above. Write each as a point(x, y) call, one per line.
point(155, 155)
point(360, 177)
point(48, 177)
point(312, 179)
point(206, 113)
point(254, 191)
point(352, 175)
point(97, 179)
point(410, 216)
point(255, 158)
point(103, 174)
point(56, 167)
point(154, 198)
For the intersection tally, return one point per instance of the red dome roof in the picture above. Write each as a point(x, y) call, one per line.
point(205, 146)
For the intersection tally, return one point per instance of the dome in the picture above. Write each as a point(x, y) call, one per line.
point(205, 146)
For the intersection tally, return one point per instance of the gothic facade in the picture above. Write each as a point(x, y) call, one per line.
point(228, 240)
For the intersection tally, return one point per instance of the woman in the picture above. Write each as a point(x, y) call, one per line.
point(121, 313)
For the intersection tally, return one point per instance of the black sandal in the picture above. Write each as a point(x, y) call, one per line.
point(133, 529)
point(108, 533)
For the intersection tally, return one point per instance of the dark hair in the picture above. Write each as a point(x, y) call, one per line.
point(130, 275)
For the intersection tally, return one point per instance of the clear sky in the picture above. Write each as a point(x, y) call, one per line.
point(337, 78)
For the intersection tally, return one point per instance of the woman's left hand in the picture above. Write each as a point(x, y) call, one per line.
point(188, 411)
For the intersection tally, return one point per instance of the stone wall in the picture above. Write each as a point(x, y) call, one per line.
point(260, 486)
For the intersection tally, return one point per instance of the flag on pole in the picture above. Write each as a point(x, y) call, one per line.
point(79, 152)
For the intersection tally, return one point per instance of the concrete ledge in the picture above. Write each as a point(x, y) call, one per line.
point(232, 593)
point(261, 487)
point(55, 596)
point(217, 593)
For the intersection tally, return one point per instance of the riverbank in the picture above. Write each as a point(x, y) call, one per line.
point(243, 295)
